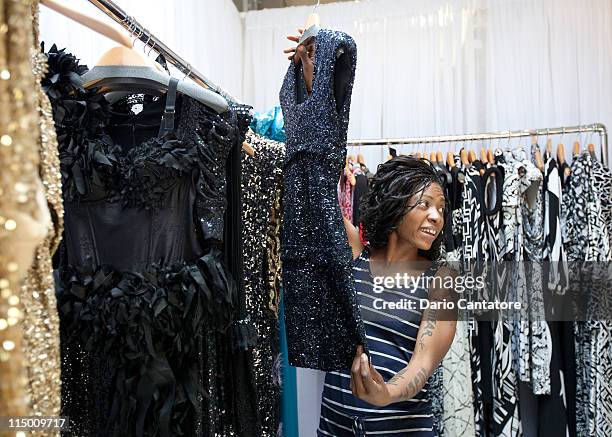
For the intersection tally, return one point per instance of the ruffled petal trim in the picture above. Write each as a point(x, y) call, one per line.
point(150, 326)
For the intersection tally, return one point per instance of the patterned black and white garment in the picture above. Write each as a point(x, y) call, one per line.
point(561, 402)
point(588, 195)
point(504, 380)
point(553, 250)
point(474, 253)
point(458, 413)
point(539, 341)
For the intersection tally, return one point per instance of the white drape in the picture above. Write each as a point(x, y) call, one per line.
point(206, 33)
point(429, 67)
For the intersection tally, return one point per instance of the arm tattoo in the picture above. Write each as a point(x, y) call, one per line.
point(430, 324)
point(416, 384)
point(399, 375)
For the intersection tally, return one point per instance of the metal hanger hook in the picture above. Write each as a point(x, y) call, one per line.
point(136, 37)
point(188, 73)
point(131, 26)
point(316, 6)
point(151, 49)
point(147, 43)
point(562, 135)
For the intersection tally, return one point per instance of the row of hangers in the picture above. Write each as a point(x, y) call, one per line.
point(487, 156)
point(122, 70)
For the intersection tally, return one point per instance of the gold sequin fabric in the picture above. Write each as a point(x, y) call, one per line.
point(24, 216)
point(41, 321)
point(261, 186)
point(273, 253)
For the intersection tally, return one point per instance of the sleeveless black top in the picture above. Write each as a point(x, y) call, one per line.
point(321, 312)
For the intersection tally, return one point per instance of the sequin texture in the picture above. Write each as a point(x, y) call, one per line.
point(24, 222)
point(322, 317)
point(261, 184)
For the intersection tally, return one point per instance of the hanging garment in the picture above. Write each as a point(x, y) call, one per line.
point(473, 256)
point(323, 322)
point(539, 341)
point(361, 188)
point(261, 184)
point(553, 241)
point(392, 339)
point(345, 194)
point(587, 200)
point(269, 124)
point(504, 380)
point(458, 411)
point(144, 295)
point(29, 192)
point(560, 405)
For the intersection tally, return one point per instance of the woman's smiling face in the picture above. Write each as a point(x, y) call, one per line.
point(422, 224)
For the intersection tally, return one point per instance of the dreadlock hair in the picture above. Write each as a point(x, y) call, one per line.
point(387, 201)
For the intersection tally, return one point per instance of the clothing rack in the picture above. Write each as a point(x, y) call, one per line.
point(596, 128)
point(140, 32)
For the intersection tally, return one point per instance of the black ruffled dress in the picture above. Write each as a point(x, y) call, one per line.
point(146, 301)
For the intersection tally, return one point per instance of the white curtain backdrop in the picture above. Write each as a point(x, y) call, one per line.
point(206, 33)
point(430, 67)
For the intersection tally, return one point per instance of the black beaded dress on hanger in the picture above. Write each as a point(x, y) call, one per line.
point(145, 297)
point(323, 321)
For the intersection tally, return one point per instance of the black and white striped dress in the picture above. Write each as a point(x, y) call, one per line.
point(391, 338)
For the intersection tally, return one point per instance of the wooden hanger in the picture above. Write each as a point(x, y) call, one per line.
point(464, 157)
point(143, 71)
point(361, 160)
point(490, 156)
point(549, 146)
point(450, 160)
point(311, 29)
point(483, 155)
point(537, 153)
point(433, 158)
point(576, 149)
point(93, 23)
point(472, 156)
point(560, 153)
point(591, 149)
point(247, 148)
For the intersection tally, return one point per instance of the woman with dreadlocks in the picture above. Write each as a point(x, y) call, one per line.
point(386, 393)
point(408, 325)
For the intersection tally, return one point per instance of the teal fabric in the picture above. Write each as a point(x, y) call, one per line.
point(289, 415)
point(270, 124)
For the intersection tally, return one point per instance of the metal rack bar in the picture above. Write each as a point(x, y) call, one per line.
point(130, 24)
point(596, 127)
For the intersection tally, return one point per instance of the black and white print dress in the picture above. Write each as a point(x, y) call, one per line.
point(458, 411)
point(587, 228)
